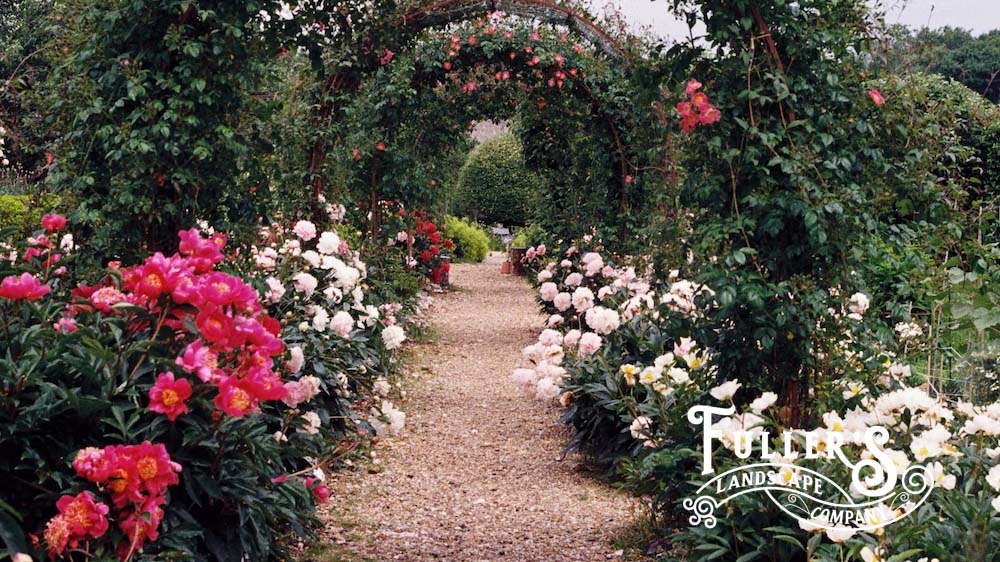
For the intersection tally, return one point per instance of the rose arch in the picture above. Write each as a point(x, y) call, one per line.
point(571, 85)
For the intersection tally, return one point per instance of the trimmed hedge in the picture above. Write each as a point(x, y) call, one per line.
point(494, 186)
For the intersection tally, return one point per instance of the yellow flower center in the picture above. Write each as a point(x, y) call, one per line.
point(169, 397)
point(147, 468)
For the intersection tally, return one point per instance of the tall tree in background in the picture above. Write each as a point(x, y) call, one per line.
point(952, 52)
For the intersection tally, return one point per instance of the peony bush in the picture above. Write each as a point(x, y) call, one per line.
point(172, 410)
point(626, 378)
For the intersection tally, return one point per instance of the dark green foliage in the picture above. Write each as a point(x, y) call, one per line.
point(494, 187)
point(150, 103)
point(952, 52)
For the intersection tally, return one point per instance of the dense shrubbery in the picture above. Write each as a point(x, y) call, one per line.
point(471, 242)
point(22, 212)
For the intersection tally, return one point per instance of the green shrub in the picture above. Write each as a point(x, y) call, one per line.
point(471, 242)
point(494, 186)
point(19, 211)
point(530, 236)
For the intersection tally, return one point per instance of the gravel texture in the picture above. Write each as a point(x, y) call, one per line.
point(478, 473)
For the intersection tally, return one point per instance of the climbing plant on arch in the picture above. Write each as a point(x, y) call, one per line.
point(574, 107)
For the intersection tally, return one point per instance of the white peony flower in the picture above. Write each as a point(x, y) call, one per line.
point(602, 320)
point(329, 243)
point(311, 257)
point(312, 423)
point(393, 337)
point(640, 427)
point(382, 387)
point(387, 420)
point(275, 290)
point(726, 390)
point(294, 364)
point(342, 323)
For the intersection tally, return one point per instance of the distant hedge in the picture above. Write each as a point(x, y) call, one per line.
point(494, 186)
point(25, 211)
point(471, 242)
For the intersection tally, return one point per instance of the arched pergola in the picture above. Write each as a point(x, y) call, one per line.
point(444, 12)
point(415, 20)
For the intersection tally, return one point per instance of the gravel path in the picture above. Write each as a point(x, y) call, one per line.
point(477, 475)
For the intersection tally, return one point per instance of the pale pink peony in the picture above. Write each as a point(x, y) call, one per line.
point(589, 344)
point(305, 230)
point(548, 291)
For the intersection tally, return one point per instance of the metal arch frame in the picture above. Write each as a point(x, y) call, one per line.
point(443, 12)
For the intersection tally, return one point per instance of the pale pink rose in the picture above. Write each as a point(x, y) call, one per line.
point(574, 280)
point(544, 275)
point(554, 320)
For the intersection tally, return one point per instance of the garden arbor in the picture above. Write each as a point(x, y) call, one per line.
point(454, 62)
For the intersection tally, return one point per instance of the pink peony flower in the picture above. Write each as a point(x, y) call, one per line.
point(65, 325)
point(169, 395)
point(876, 96)
point(25, 287)
point(548, 291)
point(305, 230)
point(53, 222)
point(589, 344)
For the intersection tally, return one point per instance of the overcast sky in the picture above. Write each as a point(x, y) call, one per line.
point(977, 15)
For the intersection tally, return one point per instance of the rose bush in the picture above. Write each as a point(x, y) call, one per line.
point(155, 410)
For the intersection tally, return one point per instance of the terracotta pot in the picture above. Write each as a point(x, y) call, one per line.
point(505, 268)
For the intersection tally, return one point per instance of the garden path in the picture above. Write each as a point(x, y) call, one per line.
point(478, 474)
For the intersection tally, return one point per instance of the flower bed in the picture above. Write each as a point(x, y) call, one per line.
point(168, 410)
point(627, 357)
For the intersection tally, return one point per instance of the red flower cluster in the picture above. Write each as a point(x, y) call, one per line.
point(235, 338)
point(80, 518)
point(697, 110)
point(135, 476)
point(321, 494)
